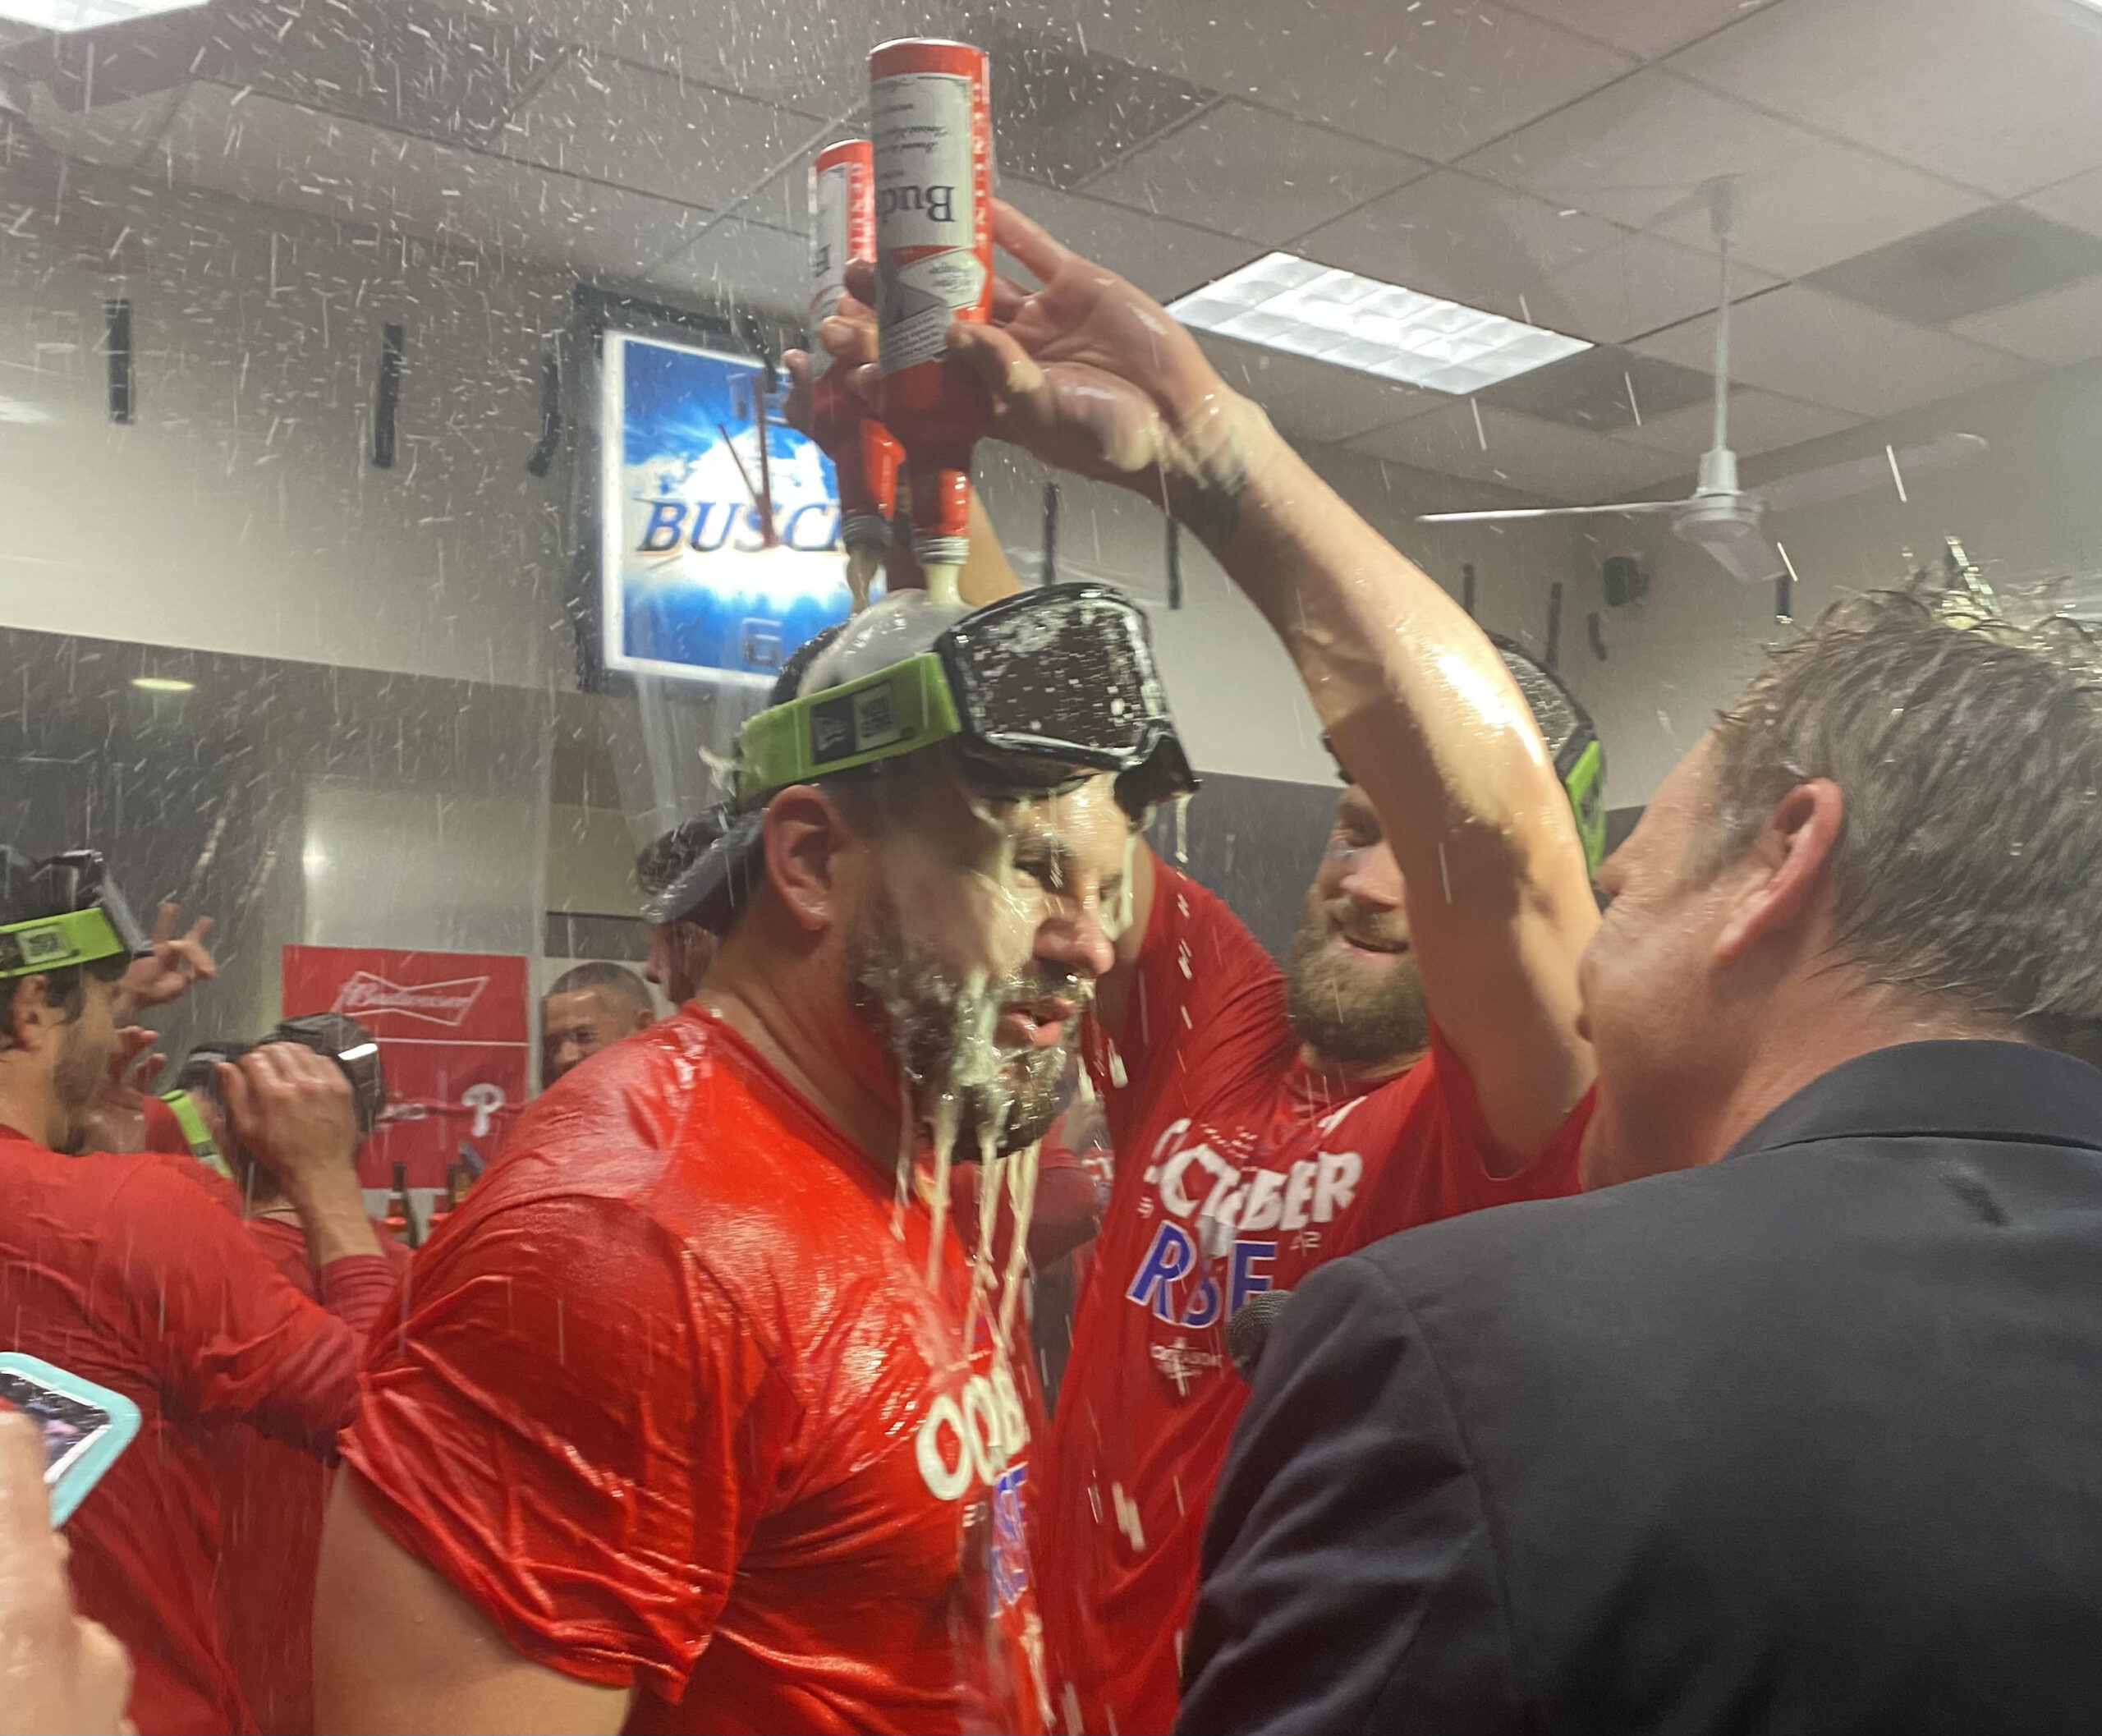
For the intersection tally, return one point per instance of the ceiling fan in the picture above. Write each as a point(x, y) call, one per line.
point(1721, 516)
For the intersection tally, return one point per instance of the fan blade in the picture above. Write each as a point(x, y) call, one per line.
point(1749, 560)
point(1857, 475)
point(1479, 518)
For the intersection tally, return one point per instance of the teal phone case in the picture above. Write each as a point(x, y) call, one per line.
point(81, 1467)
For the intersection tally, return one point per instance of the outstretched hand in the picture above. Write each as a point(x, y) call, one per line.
point(1087, 373)
point(177, 961)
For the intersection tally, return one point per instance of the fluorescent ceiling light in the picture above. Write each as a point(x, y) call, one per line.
point(163, 684)
point(1291, 304)
point(85, 15)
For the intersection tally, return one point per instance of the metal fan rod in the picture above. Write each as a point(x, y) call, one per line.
point(1476, 518)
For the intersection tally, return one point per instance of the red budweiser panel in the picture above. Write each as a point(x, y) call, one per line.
point(449, 997)
point(453, 1030)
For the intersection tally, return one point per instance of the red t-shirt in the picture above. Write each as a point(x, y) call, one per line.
point(1238, 1170)
point(124, 1271)
point(672, 1406)
point(272, 1497)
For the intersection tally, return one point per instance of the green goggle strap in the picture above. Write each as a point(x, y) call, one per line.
point(1586, 786)
point(898, 710)
point(202, 1146)
point(58, 943)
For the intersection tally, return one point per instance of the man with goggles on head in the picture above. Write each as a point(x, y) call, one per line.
point(1421, 1057)
point(698, 1416)
point(122, 1270)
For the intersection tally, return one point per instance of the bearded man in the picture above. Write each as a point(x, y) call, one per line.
point(698, 1418)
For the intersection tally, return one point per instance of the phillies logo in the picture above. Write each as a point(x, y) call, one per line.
point(442, 1003)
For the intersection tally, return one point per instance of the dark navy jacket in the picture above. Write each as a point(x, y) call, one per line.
point(1806, 1440)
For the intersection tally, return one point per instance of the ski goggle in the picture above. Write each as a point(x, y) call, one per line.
point(1572, 743)
point(1037, 691)
point(90, 920)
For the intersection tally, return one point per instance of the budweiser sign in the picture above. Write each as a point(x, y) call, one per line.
point(445, 1004)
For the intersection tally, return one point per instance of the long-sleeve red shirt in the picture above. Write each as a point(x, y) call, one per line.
point(271, 1500)
point(127, 1272)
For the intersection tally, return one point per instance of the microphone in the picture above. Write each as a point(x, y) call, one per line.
point(1248, 1330)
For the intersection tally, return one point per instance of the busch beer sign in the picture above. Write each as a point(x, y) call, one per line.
point(718, 523)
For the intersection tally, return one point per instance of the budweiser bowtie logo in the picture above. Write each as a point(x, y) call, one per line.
point(445, 1003)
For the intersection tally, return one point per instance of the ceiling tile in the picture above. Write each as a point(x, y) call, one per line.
point(115, 134)
point(744, 262)
point(413, 66)
point(1804, 345)
point(1759, 422)
point(1434, 78)
point(1165, 260)
point(1996, 94)
point(1062, 114)
point(1604, 389)
point(1520, 451)
point(1648, 28)
point(1640, 150)
point(813, 58)
point(1449, 235)
point(1997, 255)
point(1244, 171)
point(2063, 326)
point(610, 121)
point(2077, 200)
point(1311, 400)
point(279, 153)
point(1635, 284)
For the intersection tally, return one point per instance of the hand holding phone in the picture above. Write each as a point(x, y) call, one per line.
point(85, 1426)
point(58, 1673)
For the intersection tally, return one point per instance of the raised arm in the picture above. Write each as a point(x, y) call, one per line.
point(1090, 374)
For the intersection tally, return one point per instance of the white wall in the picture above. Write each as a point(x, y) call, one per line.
point(1237, 701)
point(2029, 509)
point(239, 511)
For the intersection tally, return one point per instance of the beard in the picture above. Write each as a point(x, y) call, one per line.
point(940, 1034)
point(1356, 1011)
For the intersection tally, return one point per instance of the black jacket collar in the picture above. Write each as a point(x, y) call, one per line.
point(1950, 1090)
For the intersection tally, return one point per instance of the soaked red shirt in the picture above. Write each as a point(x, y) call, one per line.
point(126, 1271)
point(673, 1405)
point(1238, 1170)
point(272, 1497)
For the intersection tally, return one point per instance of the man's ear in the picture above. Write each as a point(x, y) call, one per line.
point(803, 833)
point(29, 1013)
point(1780, 879)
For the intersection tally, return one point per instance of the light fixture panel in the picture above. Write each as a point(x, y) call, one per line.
point(1284, 302)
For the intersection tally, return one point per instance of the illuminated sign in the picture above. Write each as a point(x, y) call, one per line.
point(720, 523)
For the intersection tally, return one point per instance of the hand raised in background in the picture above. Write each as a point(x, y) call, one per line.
point(177, 961)
point(116, 1120)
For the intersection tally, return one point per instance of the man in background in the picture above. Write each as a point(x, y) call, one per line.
point(591, 1007)
point(126, 1272)
point(1798, 1431)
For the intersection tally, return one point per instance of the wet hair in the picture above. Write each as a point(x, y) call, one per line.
point(24, 899)
point(1969, 753)
point(615, 981)
point(788, 683)
point(669, 855)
